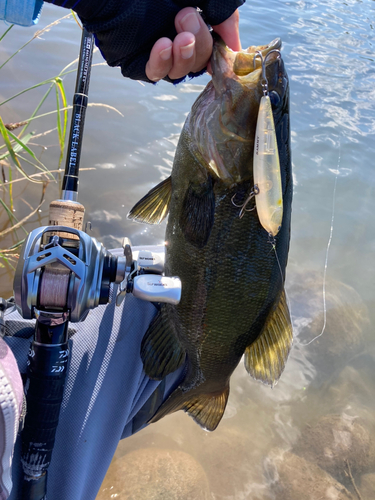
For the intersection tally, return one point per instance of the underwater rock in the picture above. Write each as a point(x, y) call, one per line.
point(233, 462)
point(155, 474)
point(367, 488)
point(351, 389)
point(347, 319)
point(294, 478)
point(339, 444)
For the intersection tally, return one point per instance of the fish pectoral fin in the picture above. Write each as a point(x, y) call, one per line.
point(161, 351)
point(265, 358)
point(206, 409)
point(198, 213)
point(154, 206)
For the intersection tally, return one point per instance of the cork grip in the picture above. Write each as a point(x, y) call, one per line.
point(66, 213)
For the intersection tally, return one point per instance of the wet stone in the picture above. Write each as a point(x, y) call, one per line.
point(233, 466)
point(367, 488)
point(339, 444)
point(294, 478)
point(346, 325)
point(155, 474)
point(351, 392)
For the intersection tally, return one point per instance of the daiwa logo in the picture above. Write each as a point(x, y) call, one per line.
point(151, 283)
point(257, 145)
point(147, 258)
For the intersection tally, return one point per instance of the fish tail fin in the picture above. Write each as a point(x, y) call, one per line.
point(206, 409)
point(265, 358)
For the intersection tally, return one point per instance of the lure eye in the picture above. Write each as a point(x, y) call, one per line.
point(274, 98)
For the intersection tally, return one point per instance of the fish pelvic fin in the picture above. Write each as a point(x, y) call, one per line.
point(161, 351)
point(265, 358)
point(154, 206)
point(206, 409)
point(198, 213)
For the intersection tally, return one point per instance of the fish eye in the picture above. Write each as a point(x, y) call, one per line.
point(274, 98)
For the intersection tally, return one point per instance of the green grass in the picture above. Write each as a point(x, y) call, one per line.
point(18, 160)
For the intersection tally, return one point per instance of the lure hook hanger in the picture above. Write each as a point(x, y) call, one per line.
point(263, 61)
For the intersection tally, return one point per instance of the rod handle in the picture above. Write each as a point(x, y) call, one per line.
point(44, 394)
point(66, 213)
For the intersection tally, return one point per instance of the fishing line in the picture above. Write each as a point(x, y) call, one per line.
point(273, 243)
point(327, 252)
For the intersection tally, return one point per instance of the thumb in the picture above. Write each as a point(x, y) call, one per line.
point(229, 31)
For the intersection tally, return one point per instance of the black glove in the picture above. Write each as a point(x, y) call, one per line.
point(126, 30)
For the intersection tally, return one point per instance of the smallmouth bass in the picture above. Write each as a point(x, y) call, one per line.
point(232, 271)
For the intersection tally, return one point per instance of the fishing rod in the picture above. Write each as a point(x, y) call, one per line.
point(41, 292)
point(62, 274)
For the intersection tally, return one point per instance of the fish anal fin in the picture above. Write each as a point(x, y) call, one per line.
point(161, 351)
point(198, 213)
point(265, 358)
point(206, 409)
point(154, 206)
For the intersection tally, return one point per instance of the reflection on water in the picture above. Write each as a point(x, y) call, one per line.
point(319, 418)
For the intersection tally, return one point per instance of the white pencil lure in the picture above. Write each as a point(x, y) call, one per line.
point(266, 164)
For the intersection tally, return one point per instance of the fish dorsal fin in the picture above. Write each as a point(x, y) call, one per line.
point(266, 357)
point(154, 206)
point(206, 409)
point(198, 213)
point(161, 351)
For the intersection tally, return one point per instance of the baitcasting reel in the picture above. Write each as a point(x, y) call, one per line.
point(75, 273)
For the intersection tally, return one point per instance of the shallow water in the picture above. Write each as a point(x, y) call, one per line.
point(328, 49)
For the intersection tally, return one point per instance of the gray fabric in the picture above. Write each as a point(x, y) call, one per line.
point(105, 389)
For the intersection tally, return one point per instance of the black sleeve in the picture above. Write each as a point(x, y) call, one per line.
point(125, 31)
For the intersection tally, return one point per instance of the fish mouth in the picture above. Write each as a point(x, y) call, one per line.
point(244, 61)
point(223, 118)
point(228, 64)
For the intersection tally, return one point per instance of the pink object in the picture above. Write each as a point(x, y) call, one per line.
point(11, 397)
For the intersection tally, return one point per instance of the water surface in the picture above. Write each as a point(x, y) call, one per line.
point(328, 49)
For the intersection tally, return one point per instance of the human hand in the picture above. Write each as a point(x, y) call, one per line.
point(191, 49)
point(127, 34)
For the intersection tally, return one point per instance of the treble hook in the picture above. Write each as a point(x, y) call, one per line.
point(243, 208)
point(263, 60)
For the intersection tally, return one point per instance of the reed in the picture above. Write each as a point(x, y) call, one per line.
point(19, 160)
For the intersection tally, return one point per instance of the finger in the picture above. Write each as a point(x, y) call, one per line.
point(189, 20)
point(183, 55)
point(229, 31)
point(161, 60)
